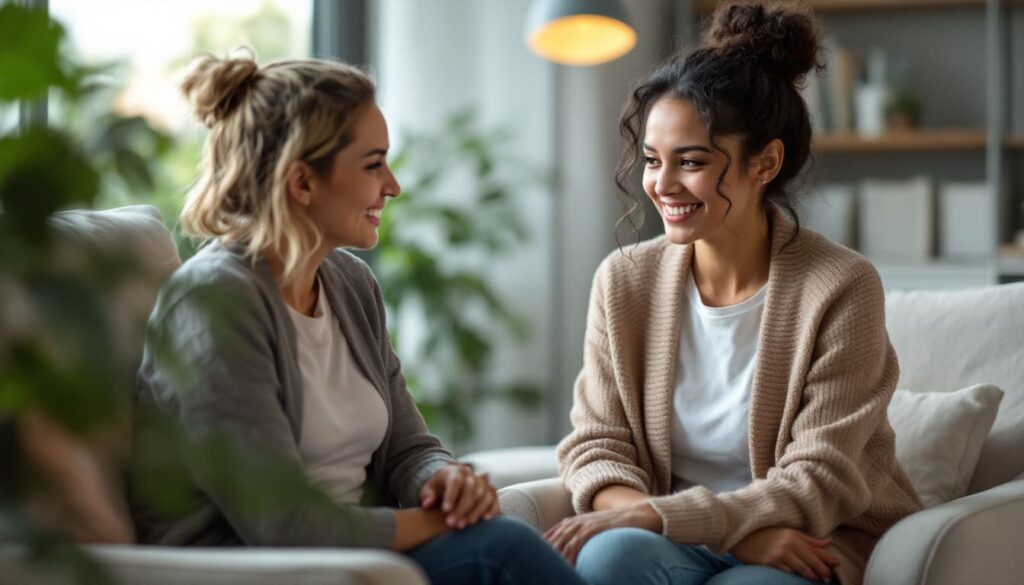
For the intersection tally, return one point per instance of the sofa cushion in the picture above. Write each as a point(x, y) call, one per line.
point(939, 437)
point(947, 340)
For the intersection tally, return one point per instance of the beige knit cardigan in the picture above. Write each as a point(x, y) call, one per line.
point(821, 447)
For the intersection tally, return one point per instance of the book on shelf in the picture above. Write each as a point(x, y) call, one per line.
point(829, 96)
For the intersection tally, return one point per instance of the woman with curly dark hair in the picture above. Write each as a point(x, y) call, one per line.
point(730, 419)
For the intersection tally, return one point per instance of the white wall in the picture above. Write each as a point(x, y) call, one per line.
point(437, 56)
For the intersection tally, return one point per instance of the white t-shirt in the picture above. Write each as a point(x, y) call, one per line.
point(717, 354)
point(344, 418)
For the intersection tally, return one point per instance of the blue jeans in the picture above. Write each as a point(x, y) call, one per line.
point(631, 556)
point(502, 551)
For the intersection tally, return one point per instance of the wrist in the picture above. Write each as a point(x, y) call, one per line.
point(646, 517)
point(414, 526)
point(617, 496)
point(433, 521)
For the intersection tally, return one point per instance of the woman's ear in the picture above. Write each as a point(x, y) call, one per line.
point(299, 183)
point(766, 165)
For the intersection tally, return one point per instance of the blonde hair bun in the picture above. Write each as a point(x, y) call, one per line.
point(213, 85)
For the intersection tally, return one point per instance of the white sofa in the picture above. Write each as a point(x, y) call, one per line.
point(139, 229)
point(945, 340)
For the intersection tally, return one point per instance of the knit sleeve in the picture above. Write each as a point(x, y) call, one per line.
point(600, 450)
point(819, 482)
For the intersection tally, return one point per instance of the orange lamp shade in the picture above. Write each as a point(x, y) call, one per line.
point(579, 32)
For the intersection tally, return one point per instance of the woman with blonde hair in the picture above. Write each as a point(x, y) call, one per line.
point(284, 340)
point(729, 424)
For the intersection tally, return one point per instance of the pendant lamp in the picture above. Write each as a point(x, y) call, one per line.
point(579, 32)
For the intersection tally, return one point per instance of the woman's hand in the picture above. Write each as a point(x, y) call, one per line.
point(569, 535)
point(788, 550)
point(463, 496)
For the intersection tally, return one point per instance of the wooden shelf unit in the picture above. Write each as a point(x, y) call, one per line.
point(706, 6)
point(911, 140)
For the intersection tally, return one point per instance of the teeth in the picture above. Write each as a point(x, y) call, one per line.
point(374, 213)
point(676, 210)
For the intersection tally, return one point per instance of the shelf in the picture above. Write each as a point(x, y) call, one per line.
point(917, 140)
point(1014, 140)
point(706, 6)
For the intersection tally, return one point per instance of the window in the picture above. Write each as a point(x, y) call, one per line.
point(147, 45)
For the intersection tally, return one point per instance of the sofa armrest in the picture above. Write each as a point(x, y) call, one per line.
point(541, 503)
point(975, 539)
point(515, 464)
point(137, 565)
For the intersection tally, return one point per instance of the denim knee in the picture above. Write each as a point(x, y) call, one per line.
point(519, 553)
point(503, 529)
point(758, 575)
point(624, 555)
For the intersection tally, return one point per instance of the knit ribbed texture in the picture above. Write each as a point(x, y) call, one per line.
point(822, 451)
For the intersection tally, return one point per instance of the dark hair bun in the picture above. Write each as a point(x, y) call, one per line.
point(783, 37)
point(213, 85)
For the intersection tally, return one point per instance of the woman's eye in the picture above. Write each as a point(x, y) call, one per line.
point(690, 163)
point(374, 166)
point(650, 161)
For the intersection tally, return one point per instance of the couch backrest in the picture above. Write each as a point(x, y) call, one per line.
point(946, 340)
point(135, 236)
point(141, 254)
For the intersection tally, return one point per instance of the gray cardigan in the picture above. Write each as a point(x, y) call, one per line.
point(223, 318)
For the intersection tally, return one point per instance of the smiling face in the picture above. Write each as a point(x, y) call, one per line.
point(681, 171)
point(346, 203)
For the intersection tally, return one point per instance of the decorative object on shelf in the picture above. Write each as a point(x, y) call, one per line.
point(896, 219)
point(579, 32)
point(966, 214)
point(831, 211)
point(903, 110)
point(872, 97)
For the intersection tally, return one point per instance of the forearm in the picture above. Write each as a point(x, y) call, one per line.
point(416, 526)
point(618, 496)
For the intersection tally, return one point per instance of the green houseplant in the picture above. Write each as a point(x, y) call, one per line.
point(457, 212)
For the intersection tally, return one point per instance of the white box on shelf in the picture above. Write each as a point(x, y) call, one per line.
point(967, 220)
point(831, 210)
point(896, 219)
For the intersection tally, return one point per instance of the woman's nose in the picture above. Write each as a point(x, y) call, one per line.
point(391, 186)
point(666, 184)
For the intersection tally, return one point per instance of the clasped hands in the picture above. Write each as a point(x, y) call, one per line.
point(463, 496)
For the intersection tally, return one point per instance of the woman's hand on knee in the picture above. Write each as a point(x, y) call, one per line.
point(788, 550)
point(569, 535)
point(464, 497)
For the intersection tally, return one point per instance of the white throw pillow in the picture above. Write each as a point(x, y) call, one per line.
point(939, 436)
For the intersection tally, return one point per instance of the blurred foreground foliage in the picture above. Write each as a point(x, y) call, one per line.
point(61, 345)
